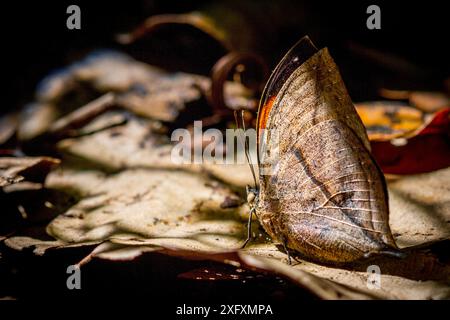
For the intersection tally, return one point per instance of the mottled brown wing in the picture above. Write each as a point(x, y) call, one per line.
point(324, 196)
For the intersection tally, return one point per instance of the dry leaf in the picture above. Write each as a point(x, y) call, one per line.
point(14, 170)
point(426, 101)
point(35, 120)
point(333, 283)
point(421, 204)
point(148, 207)
point(137, 144)
point(8, 127)
point(142, 89)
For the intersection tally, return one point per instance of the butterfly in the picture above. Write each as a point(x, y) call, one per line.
point(321, 193)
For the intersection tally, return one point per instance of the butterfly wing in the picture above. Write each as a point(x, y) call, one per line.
point(321, 192)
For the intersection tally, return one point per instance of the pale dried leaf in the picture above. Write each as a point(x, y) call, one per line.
point(146, 204)
point(420, 208)
point(41, 246)
point(136, 145)
point(35, 119)
point(13, 170)
point(8, 127)
point(321, 287)
point(345, 284)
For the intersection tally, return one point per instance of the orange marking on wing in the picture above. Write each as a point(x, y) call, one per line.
point(264, 113)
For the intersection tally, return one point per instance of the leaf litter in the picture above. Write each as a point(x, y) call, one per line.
point(132, 199)
point(147, 204)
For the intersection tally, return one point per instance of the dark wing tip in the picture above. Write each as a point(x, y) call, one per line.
point(304, 49)
point(294, 58)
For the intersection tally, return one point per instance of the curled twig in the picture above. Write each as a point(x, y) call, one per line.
point(236, 64)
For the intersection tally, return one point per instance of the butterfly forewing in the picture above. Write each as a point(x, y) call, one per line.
point(293, 59)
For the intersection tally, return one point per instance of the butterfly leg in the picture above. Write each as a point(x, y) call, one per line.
point(249, 227)
point(287, 252)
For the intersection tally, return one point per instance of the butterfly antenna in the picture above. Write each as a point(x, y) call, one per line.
point(247, 155)
point(245, 144)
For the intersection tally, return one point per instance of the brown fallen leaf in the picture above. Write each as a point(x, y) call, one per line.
point(116, 252)
point(78, 118)
point(167, 98)
point(78, 84)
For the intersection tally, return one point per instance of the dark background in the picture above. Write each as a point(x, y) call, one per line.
point(36, 40)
